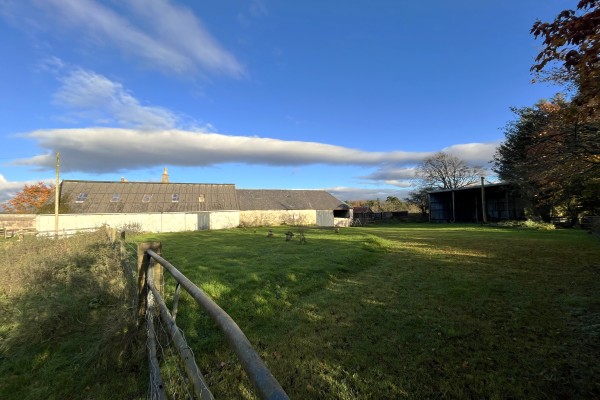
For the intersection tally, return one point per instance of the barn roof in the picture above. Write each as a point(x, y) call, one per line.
point(288, 200)
point(476, 186)
point(87, 197)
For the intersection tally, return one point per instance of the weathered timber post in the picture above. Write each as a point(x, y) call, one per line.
point(483, 205)
point(453, 207)
point(144, 261)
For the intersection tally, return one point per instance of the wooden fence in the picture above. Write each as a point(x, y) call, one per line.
point(152, 310)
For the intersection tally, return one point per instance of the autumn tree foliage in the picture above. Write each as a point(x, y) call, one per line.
point(29, 200)
point(552, 150)
point(548, 155)
point(571, 51)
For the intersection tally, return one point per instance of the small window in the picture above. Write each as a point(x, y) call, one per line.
point(201, 198)
point(116, 197)
point(175, 198)
point(81, 197)
point(146, 198)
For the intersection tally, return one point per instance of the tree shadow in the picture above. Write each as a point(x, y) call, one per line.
point(67, 314)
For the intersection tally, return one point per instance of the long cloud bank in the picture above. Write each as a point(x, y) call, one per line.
point(111, 149)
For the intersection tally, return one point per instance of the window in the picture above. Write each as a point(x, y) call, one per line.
point(201, 198)
point(81, 197)
point(146, 198)
point(175, 198)
point(116, 197)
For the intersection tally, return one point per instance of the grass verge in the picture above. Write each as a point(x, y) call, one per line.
point(67, 327)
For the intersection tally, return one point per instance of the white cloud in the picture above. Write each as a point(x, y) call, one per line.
point(164, 35)
point(393, 173)
point(9, 188)
point(352, 193)
point(110, 149)
point(99, 99)
point(113, 149)
point(474, 153)
point(179, 29)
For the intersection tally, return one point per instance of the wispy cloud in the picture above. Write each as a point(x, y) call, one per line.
point(393, 173)
point(95, 98)
point(353, 193)
point(164, 35)
point(404, 174)
point(255, 10)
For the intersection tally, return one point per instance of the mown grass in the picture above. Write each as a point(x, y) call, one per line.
point(415, 311)
point(67, 321)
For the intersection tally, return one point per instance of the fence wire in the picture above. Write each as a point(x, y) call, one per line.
point(174, 379)
point(169, 380)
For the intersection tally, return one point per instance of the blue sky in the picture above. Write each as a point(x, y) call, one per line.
point(343, 96)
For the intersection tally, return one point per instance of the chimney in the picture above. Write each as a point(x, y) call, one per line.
point(165, 176)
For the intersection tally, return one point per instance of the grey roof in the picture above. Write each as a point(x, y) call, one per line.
point(288, 200)
point(102, 197)
point(474, 186)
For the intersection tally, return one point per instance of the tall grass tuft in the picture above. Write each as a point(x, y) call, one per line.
point(67, 321)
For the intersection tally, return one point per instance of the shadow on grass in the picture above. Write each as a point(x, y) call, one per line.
point(67, 324)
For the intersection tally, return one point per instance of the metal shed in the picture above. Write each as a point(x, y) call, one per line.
point(502, 202)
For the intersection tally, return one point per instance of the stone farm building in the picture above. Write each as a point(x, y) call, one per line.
point(292, 207)
point(175, 207)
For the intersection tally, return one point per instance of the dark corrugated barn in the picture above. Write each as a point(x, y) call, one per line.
point(502, 202)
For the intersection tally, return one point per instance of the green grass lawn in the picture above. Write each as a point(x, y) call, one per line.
point(415, 311)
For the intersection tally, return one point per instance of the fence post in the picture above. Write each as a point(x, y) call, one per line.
point(144, 261)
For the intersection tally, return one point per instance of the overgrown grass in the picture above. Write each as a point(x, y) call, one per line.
point(67, 327)
point(416, 311)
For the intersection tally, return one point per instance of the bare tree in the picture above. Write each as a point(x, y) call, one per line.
point(445, 171)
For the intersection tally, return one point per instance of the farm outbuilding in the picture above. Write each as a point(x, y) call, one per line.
point(502, 202)
point(174, 207)
point(152, 207)
point(363, 215)
point(292, 207)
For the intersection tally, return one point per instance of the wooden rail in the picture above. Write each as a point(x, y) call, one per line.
point(150, 266)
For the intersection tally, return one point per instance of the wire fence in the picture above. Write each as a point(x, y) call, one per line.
point(167, 375)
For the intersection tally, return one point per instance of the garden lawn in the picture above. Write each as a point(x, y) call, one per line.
point(415, 311)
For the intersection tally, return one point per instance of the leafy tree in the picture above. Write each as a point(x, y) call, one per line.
point(547, 154)
point(445, 171)
point(420, 199)
point(572, 41)
point(392, 203)
point(29, 200)
point(552, 150)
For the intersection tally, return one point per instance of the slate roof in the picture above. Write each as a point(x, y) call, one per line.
point(288, 200)
point(88, 197)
